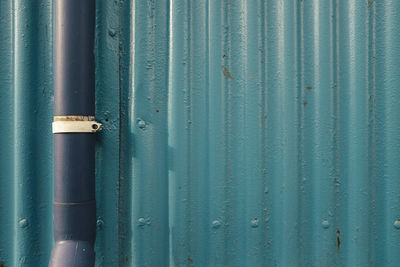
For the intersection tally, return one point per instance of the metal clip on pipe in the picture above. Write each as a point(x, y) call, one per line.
point(75, 124)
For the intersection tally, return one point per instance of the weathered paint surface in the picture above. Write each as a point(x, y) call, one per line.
point(236, 133)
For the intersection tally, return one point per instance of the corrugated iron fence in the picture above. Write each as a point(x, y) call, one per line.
point(237, 133)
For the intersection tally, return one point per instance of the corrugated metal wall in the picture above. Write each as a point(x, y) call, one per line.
point(237, 133)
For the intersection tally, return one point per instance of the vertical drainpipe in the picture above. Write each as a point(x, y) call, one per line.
point(74, 140)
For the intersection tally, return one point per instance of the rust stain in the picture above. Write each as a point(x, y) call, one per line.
point(309, 87)
point(190, 260)
point(338, 238)
point(305, 103)
point(226, 73)
point(263, 116)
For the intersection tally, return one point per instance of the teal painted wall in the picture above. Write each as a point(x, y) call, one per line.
point(236, 133)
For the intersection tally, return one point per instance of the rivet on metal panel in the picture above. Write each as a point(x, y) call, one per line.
point(142, 222)
point(396, 224)
point(23, 223)
point(216, 224)
point(100, 223)
point(112, 33)
point(325, 224)
point(254, 223)
point(141, 123)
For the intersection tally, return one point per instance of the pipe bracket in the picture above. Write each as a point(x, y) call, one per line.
point(76, 124)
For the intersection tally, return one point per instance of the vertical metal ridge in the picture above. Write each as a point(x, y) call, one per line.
point(126, 85)
point(333, 73)
point(32, 150)
point(254, 215)
point(146, 116)
point(305, 210)
point(387, 132)
point(107, 53)
point(372, 133)
point(235, 72)
point(282, 132)
point(266, 135)
point(225, 125)
point(198, 125)
point(271, 135)
point(318, 206)
point(16, 137)
point(42, 119)
point(7, 185)
point(262, 102)
point(207, 221)
point(336, 110)
point(226, 81)
point(217, 141)
point(353, 134)
point(179, 129)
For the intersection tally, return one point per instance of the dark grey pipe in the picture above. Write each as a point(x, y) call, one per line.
point(74, 187)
